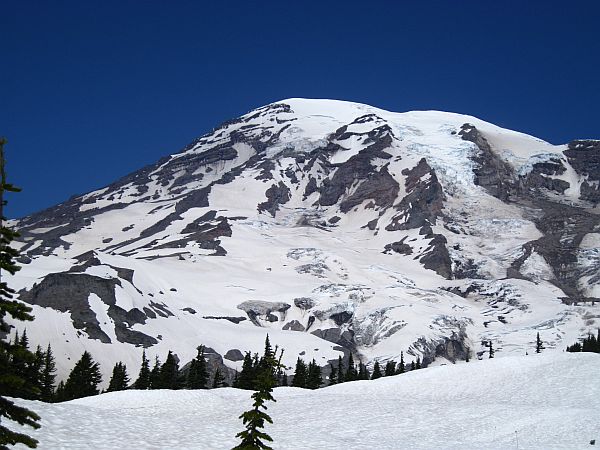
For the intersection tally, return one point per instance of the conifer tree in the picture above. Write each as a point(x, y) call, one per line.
point(48, 376)
point(491, 352)
point(300, 374)
point(351, 373)
point(363, 373)
point(197, 374)
point(539, 346)
point(84, 378)
point(218, 379)
point(390, 368)
point(254, 420)
point(246, 376)
point(418, 365)
point(401, 366)
point(10, 382)
point(468, 355)
point(413, 366)
point(168, 377)
point(143, 380)
point(119, 380)
point(314, 378)
point(33, 374)
point(341, 376)
point(332, 375)
point(155, 374)
point(59, 394)
point(376, 371)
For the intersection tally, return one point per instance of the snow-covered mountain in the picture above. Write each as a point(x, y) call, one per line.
point(535, 402)
point(335, 227)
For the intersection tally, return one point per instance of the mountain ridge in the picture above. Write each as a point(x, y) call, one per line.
point(335, 225)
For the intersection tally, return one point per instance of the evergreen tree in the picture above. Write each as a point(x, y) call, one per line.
point(218, 379)
point(59, 394)
point(376, 371)
point(418, 365)
point(119, 380)
point(401, 366)
point(314, 378)
point(390, 368)
point(84, 378)
point(413, 366)
point(341, 377)
point(539, 346)
point(33, 374)
point(351, 373)
point(246, 376)
point(168, 377)
point(491, 352)
point(143, 380)
point(197, 373)
point(468, 355)
point(300, 374)
point(10, 382)
point(332, 375)
point(363, 373)
point(155, 374)
point(48, 376)
point(254, 420)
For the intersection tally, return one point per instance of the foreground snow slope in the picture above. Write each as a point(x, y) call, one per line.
point(540, 401)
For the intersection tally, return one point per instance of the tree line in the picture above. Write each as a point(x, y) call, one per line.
point(590, 343)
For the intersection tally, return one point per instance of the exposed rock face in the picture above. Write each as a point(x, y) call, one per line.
point(258, 309)
point(69, 292)
point(298, 200)
point(424, 201)
point(584, 156)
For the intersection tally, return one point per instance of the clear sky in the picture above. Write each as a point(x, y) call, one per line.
point(92, 90)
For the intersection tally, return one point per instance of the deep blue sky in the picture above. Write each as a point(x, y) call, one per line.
point(92, 90)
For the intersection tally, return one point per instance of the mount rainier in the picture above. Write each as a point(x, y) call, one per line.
point(335, 227)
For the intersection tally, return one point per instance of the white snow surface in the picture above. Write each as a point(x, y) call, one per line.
point(394, 300)
point(545, 401)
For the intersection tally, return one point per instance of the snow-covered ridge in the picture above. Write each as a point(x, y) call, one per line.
point(535, 402)
point(335, 227)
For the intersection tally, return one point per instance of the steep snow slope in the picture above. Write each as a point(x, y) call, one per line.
point(335, 227)
point(546, 401)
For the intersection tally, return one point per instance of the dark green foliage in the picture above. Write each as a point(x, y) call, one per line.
point(539, 345)
point(413, 366)
point(300, 374)
point(59, 394)
point(341, 376)
point(48, 376)
point(83, 380)
point(491, 352)
point(197, 374)
point(143, 380)
point(119, 380)
point(254, 420)
point(247, 375)
point(218, 379)
point(418, 364)
point(401, 366)
point(168, 377)
point(351, 373)
point(10, 381)
point(314, 379)
point(376, 371)
point(155, 374)
point(363, 373)
point(390, 368)
point(588, 344)
point(332, 375)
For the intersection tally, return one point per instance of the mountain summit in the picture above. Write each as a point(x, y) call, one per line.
point(337, 228)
